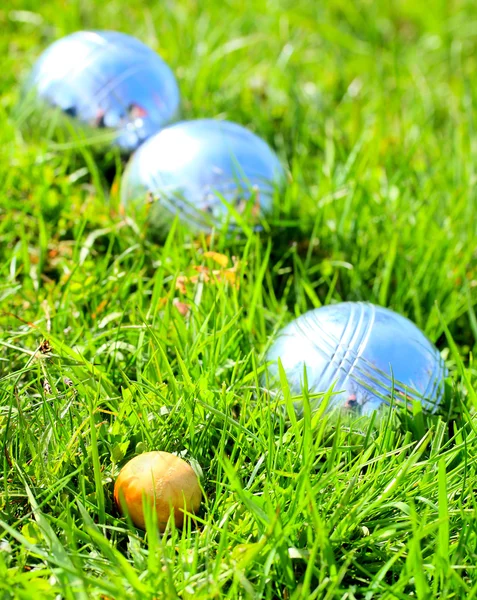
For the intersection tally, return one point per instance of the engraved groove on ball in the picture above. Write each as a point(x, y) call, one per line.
point(361, 364)
point(370, 355)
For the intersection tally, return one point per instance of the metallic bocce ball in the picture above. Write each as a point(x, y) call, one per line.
point(191, 167)
point(110, 86)
point(368, 355)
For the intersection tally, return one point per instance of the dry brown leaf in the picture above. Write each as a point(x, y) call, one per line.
point(220, 259)
point(231, 277)
point(181, 284)
point(162, 302)
point(182, 307)
point(207, 275)
point(101, 306)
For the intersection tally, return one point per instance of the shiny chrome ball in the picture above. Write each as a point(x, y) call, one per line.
point(192, 167)
point(117, 89)
point(368, 355)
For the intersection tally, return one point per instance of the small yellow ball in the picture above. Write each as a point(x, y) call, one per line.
point(165, 481)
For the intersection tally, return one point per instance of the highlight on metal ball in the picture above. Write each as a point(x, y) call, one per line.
point(369, 356)
point(205, 171)
point(104, 87)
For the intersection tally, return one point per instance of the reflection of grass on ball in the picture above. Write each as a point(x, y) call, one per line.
point(39, 119)
point(163, 481)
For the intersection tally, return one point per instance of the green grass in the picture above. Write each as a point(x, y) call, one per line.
point(371, 107)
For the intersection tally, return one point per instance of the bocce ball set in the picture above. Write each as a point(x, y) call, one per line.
point(111, 89)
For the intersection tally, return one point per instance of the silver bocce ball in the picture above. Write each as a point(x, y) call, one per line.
point(203, 170)
point(110, 87)
point(369, 356)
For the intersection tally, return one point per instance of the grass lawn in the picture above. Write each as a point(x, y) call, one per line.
point(371, 106)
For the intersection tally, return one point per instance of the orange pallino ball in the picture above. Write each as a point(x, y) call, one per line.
point(165, 480)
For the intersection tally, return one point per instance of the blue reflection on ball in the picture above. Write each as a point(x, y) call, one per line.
point(108, 82)
point(368, 353)
point(192, 166)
